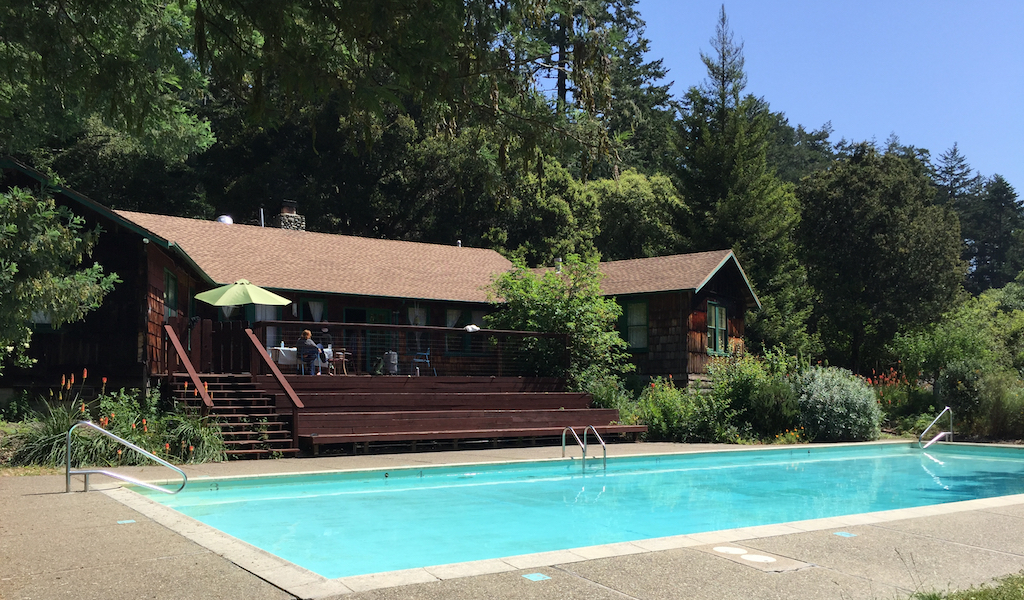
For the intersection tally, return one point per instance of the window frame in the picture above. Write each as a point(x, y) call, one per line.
point(170, 294)
point(625, 327)
point(714, 327)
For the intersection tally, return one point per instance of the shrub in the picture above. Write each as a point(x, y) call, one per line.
point(960, 388)
point(684, 415)
point(1001, 406)
point(757, 391)
point(179, 436)
point(836, 405)
point(609, 392)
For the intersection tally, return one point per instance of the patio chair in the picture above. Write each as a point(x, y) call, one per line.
point(307, 357)
point(340, 357)
point(423, 357)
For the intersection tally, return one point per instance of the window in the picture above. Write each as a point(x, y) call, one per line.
point(313, 310)
point(458, 317)
point(718, 329)
point(636, 325)
point(170, 295)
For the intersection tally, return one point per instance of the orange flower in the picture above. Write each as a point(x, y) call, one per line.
point(191, 448)
point(167, 447)
point(63, 381)
point(143, 421)
point(145, 429)
point(72, 380)
point(119, 452)
point(83, 407)
point(133, 425)
point(104, 380)
point(85, 374)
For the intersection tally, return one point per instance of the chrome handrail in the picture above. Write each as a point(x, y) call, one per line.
point(583, 443)
point(87, 472)
point(578, 441)
point(941, 433)
point(604, 447)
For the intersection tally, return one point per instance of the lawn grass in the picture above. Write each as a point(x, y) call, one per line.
point(1010, 588)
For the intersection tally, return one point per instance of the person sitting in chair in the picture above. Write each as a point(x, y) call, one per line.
point(307, 352)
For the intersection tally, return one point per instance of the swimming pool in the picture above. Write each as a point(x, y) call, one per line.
point(351, 523)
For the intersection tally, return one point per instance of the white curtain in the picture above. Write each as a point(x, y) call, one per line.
point(417, 316)
point(265, 312)
point(316, 310)
point(228, 311)
point(452, 317)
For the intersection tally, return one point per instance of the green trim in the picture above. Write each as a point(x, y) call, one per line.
point(711, 275)
point(624, 326)
point(718, 324)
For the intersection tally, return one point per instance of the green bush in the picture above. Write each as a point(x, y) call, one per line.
point(960, 383)
point(835, 405)
point(1001, 406)
point(684, 415)
point(757, 390)
point(609, 392)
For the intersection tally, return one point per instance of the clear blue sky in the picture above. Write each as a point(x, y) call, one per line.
point(932, 72)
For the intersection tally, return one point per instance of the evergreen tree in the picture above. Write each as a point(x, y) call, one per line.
point(992, 221)
point(796, 152)
point(735, 198)
point(641, 112)
point(954, 178)
point(882, 257)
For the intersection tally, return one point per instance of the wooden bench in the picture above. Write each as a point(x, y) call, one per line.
point(318, 428)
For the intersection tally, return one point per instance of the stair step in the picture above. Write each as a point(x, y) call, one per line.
point(261, 451)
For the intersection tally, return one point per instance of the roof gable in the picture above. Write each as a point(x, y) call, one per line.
point(670, 273)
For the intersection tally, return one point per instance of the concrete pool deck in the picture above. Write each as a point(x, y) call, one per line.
point(113, 543)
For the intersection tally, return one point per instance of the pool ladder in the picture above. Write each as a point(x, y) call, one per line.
point(583, 444)
point(942, 434)
point(68, 472)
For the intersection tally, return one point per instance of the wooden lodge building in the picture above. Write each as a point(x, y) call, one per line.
point(385, 311)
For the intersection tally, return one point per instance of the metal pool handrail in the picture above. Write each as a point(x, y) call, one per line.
point(941, 433)
point(87, 472)
point(583, 443)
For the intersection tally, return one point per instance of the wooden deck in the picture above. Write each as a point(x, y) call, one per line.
point(363, 409)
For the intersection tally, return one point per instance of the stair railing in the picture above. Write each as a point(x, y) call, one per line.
point(189, 369)
point(68, 472)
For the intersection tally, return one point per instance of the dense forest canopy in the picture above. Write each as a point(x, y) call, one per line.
point(540, 129)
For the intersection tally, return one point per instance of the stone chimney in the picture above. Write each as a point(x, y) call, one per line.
point(289, 219)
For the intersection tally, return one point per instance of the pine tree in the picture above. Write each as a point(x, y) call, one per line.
point(993, 229)
point(735, 197)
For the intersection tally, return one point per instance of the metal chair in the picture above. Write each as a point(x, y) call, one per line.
point(423, 357)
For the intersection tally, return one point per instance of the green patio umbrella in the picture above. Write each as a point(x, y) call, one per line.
point(241, 292)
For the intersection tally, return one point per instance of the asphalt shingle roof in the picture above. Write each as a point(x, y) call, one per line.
point(665, 273)
point(318, 262)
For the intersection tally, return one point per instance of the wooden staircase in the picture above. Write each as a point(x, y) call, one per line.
point(245, 415)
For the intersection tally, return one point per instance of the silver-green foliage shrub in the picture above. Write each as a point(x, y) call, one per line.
point(836, 405)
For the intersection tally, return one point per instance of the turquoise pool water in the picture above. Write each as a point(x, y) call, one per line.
point(352, 523)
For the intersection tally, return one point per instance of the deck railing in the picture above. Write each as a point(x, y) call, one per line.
point(410, 350)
